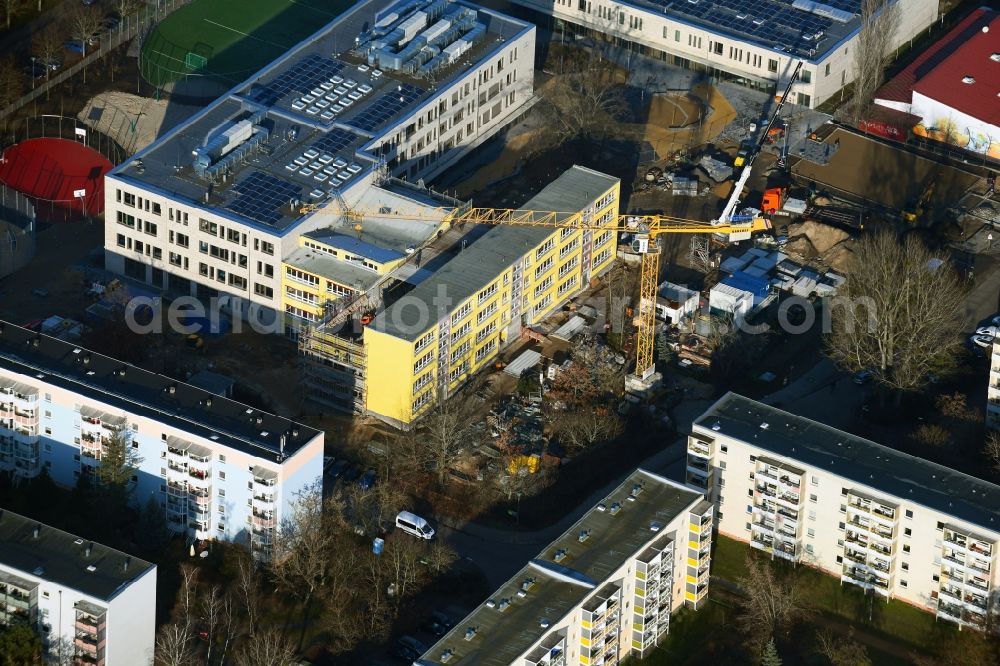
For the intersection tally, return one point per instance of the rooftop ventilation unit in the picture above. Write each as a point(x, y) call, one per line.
point(968, 79)
point(995, 57)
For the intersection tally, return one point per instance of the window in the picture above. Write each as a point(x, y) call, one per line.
point(722, 464)
point(814, 481)
point(772, 65)
point(423, 362)
point(908, 513)
point(805, 100)
point(715, 47)
point(262, 290)
point(208, 227)
point(905, 566)
point(940, 525)
point(902, 583)
point(936, 578)
point(907, 531)
point(906, 547)
point(812, 515)
point(549, 244)
point(724, 448)
point(807, 75)
point(267, 248)
point(749, 492)
point(809, 548)
point(677, 35)
point(840, 559)
point(811, 533)
point(462, 313)
point(486, 293)
point(826, 71)
point(222, 475)
point(121, 240)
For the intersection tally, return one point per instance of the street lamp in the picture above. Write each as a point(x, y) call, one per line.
point(33, 72)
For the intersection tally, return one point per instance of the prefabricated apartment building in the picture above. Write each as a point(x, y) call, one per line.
point(220, 469)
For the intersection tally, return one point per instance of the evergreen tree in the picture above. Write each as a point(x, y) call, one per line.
point(152, 528)
point(770, 656)
point(20, 646)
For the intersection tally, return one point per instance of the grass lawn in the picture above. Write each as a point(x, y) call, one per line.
point(695, 636)
point(894, 620)
point(237, 37)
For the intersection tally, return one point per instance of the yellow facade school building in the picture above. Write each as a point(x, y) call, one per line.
point(433, 339)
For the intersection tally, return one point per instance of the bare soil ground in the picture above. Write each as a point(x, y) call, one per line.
point(883, 174)
point(151, 117)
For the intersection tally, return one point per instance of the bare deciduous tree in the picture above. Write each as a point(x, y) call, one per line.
point(582, 429)
point(265, 648)
point(442, 436)
point(879, 19)
point(585, 94)
point(897, 313)
point(174, 646)
point(212, 605)
point(992, 450)
point(303, 553)
point(247, 590)
point(11, 82)
point(187, 596)
point(842, 650)
point(83, 22)
point(126, 7)
point(771, 602)
point(12, 8)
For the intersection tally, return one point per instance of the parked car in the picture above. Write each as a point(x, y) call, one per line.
point(983, 341)
point(35, 70)
point(367, 480)
point(337, 468)
point(987, 330)
point(437, 624)
point(863, 377)
point(411, 643)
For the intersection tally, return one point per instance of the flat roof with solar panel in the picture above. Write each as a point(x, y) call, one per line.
point(802, 28)
point(299, 131)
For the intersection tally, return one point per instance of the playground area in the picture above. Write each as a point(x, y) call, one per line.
point(228, 40)
point(54, 172)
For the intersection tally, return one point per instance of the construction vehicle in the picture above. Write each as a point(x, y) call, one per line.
point(644, 230)
point(916, 209)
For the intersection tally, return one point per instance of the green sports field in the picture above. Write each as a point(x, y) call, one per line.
point(230, 39)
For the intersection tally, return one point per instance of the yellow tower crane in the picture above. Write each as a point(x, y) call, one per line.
point(645, 230)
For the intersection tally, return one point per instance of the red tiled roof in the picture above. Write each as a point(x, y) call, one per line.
point(938, 71)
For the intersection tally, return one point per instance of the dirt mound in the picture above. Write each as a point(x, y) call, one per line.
point(821, 236)
point(800, 248)
point(840, 258)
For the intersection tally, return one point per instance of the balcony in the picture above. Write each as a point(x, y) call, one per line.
point(263, 520)
point(951, 595)
point(698, 464)
point(950, 611)
point(178, 490)
point(767, 474)
point(198, 474)
point(88, 646)
point(89, 627)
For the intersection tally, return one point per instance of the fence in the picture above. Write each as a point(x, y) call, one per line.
point(130, 27)
point(61, 127)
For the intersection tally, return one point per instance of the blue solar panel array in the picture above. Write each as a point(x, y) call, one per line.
point(260, 196)
point(381, 110)
point(767, 21)
point(334, 141)
point(301, 77)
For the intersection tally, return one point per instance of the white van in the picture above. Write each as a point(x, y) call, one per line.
point(413, 524)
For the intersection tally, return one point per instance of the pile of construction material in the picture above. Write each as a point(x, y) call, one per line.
point(810, 241)
point(779, 272)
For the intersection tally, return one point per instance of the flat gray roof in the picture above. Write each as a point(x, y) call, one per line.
point(558, 588)
point(62, 558)
point(338, 270)
point(490, 255)
point(893, 472)
point(261, 184)
point(134, 390)
point(807, 29)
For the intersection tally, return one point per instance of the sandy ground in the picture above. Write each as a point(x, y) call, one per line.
point(883, 174)
point(117, 111)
